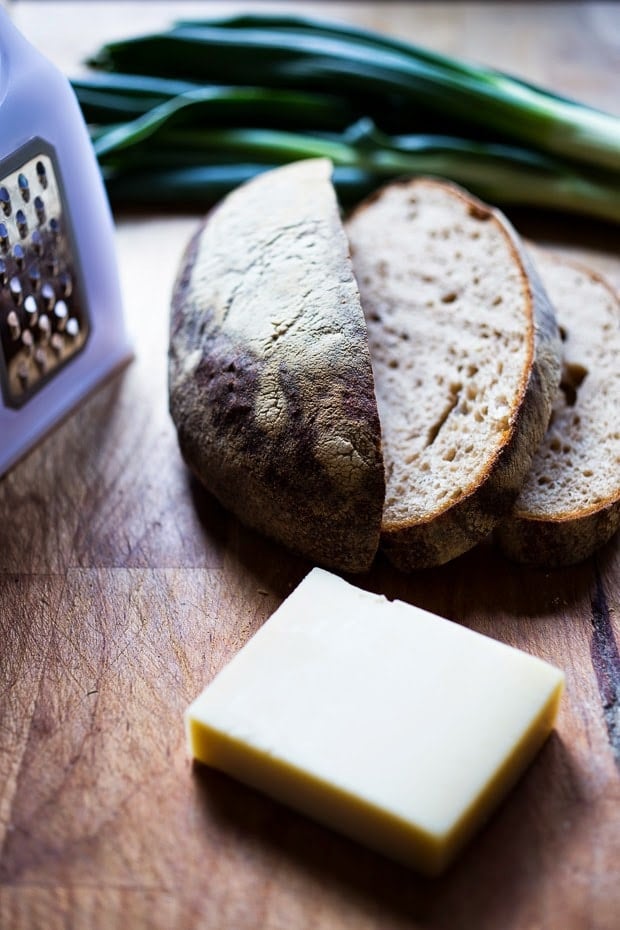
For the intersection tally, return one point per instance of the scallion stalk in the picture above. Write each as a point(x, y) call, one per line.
point(318, 57)
point(499, 173)
point(209, 106)
point(106, 97)
point(209, 101)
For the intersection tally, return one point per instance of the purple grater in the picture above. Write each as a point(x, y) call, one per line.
point(61, 324)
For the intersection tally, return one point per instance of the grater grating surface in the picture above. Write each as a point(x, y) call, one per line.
point(43, 318)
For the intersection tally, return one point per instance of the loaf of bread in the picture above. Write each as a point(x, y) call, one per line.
point(465, 353)
point(270, 381)
point(570, 502)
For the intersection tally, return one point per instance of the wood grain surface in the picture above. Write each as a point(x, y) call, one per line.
point(124, 588)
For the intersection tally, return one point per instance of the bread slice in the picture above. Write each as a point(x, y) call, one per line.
point(270, 381)
point(465, 353)
point(570, 503)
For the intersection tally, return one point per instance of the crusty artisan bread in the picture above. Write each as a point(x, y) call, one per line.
point(270, 381)
point(465, 354)
point(570, 502)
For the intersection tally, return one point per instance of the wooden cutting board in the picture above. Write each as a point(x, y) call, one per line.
point(124, 588)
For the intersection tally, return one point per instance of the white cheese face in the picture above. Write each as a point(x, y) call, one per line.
point(392, 725)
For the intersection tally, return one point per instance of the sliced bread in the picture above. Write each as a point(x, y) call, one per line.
point(270, 381)
point(465, 353)
point(570, 502)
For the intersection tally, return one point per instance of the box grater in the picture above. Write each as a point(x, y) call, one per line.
point(61, 324)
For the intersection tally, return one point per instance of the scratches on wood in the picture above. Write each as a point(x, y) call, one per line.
point(606, 664)
point(26, 629)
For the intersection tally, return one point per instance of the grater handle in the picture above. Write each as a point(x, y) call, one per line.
point(24, 74)
point(15, 53)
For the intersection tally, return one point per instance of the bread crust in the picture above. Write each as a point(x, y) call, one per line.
point(567, 537)
point(556, 543)
point(453, 528)
point(270, 382)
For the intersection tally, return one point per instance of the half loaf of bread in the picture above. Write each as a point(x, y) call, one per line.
point(465, 354)
point(270, 381)
point(570, 502)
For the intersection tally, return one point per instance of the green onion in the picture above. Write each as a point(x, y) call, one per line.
point(106, 98)
point(191, 111)
point(249, 105)
point(319, 57)
point(498, 173)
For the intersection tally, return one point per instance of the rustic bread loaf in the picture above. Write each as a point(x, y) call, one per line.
point(270, 380)
point(570, 502)
point(465, 353)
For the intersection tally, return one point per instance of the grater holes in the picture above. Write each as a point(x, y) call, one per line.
point(34, 276)
point(24, 187)
point(19, 256)
point(31, 310)
point(39, 208)
point(40, 360)
point(41, 174)
point(47, 296)
point(28, 341)
point(61, 314)
point(36, 242)
point(57, 344)
point(65, 284)
point(5, 201)
point(13, 324)
point(15, 288)
point(42, 319)
point(45, 328)
point(21, 223)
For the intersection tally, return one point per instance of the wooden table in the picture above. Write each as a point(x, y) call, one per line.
point(124, 588)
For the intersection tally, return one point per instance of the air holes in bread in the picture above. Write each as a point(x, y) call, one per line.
point(573, 376)
point(434, 430)
point(479, 212)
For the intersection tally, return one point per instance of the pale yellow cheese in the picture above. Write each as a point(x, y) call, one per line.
point(393, 726)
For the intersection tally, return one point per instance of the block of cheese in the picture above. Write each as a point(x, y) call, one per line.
point(389, 724)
